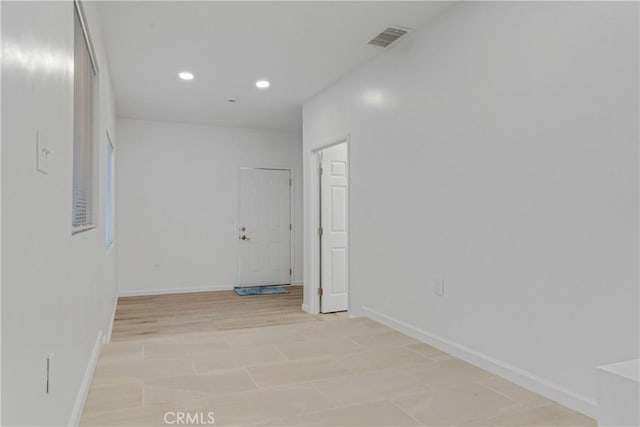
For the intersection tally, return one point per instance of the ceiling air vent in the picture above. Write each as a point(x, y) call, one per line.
point(388, 36)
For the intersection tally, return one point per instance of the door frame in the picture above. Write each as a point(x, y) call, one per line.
point(291, 217)
point(314, 201)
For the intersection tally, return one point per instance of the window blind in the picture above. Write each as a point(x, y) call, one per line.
point(83, 130)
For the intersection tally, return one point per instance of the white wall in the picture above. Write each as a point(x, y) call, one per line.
point(178, 202)
point(1, 67)
point(58, 290)
point(497, 149)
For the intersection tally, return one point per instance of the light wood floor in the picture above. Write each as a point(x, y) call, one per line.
point(160, 315)
point(261, 361)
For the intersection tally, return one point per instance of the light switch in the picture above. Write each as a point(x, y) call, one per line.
point(43, 155)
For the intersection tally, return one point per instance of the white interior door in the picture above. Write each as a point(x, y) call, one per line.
point(333, 222)
point(264, 256)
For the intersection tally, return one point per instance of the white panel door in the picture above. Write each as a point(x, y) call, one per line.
point(264, 233)
point(333, 220)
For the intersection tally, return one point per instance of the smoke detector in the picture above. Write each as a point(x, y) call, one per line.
point(388, 36)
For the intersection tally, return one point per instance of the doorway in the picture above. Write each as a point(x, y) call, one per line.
point(265, 228)
point(333, 230)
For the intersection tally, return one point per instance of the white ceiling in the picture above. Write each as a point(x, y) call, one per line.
point(300, 47)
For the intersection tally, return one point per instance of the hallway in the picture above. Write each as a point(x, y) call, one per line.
point(459, 181)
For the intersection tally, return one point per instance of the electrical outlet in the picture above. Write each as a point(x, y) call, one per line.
point(438, 287)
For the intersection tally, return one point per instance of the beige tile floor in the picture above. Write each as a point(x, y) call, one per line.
point(332, 371)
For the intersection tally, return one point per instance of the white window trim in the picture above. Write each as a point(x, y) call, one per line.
point(83, 23)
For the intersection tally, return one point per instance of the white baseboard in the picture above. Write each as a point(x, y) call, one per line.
point(512, 373)
point(107, 337)
point(305, 308)
point(164, 291)
point(76, 413)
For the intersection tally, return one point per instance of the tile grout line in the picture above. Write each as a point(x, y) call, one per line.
point(517, 405)
point(275, 346)
point(406, 413)
point(246, 369)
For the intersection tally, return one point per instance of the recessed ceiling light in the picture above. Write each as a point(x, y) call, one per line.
point(185, 75)
point(262, 84)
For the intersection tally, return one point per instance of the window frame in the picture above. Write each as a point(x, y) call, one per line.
point(85, 168)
